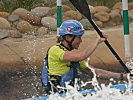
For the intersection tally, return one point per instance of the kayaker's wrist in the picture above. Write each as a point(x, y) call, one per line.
point(123, 76)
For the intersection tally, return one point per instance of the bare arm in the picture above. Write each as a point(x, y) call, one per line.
point(106, 74)
point(76, 55)
point(84, 54)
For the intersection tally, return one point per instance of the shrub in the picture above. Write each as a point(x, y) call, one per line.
point(10, 5)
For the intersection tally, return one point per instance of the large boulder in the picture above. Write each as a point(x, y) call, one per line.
point(53, 10)
point(40, 11)
point(65, 18)
point(13, 18)
point(32, 19)
point(4, 24)
point(102, 8)
point(66, 8)
point(115, 16)
point(92, 9)
point(73, 14)
point(3, 33)
point(131, 10)
point(19, 11)
point(4, 14)
point(99, 24)
point(102, 16)
point(24, 26)
point(118, 5)
point(130, 15)
point(42, 31)
point(15, 34)
point(49, 22)
point(86, 24)
point(130, 5)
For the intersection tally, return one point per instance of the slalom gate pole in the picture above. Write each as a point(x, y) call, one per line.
point(126, 28)
point(59, 15)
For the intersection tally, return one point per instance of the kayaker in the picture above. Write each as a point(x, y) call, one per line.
point(65, 60)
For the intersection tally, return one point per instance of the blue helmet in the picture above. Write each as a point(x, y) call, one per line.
point(72, 27)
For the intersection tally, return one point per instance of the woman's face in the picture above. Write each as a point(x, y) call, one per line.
point(76, 42)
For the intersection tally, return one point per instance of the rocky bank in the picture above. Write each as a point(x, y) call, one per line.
point(26, 35)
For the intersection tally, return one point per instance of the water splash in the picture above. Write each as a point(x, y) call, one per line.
point(106, 93)
point(103, 92)
point(94, 79)
point(129, 64)
point(31, 68)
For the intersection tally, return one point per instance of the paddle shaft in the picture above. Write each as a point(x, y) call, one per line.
point(83, 8)
point(108, 45)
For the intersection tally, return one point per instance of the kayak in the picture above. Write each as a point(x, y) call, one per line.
point(121, 87)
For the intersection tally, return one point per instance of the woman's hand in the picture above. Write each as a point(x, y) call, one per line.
point(100, 40)
point(128, 76)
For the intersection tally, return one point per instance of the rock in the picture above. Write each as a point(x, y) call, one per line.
point(92, 9)
point(32, 19)
point(15, 34)
point(116, 16)
point(99, 24)
point(4, 14)
point(49, 22)
point(42, 31)
point(130, 15)
point(19, 11)
point(73, 14)
point(3, 34)
point(65, 8)
point(52, 32)
point(109, 24)
point(40, 11)
point(102, 8)
point(131, 10)
point(4, 24)
point(53, 10)
point(86, 24)
point(65, 18)
point(117, 6)
point(46, 17)
point(130, 5)
point(54, 16)
point(13, 18)
point(24, 26)
point(102, 16)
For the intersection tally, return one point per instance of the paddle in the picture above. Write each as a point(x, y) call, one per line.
point(83, 8)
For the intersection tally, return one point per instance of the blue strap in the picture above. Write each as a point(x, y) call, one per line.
point(71, 75)
point(45, 73)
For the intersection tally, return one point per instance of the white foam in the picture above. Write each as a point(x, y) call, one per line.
point(103, 92)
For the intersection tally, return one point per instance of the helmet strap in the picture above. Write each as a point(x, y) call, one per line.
point(70, 43)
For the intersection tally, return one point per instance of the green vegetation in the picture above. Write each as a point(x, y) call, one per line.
point(10, 5)
point(108, 3)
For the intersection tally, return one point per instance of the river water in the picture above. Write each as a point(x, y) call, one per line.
point(22, 85)
point(27, 84)
point(16, 85)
